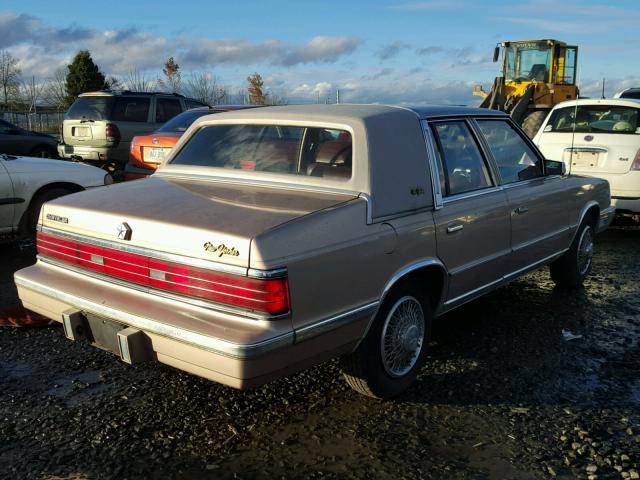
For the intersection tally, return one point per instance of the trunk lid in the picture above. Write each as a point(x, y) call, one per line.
point(207, 220)
point(592, 153)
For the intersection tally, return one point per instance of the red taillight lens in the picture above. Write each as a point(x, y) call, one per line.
point(112, 132)
point(636, 162)
point(270, 296)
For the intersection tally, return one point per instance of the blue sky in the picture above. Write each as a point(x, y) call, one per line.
point(374, 51)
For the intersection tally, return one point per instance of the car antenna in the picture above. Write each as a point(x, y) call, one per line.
point(575, 121)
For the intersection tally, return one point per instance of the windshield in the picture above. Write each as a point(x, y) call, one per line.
point(316, 152)
point(527, 61)
point(594, 118)
point(181, 122)
point(90, 108)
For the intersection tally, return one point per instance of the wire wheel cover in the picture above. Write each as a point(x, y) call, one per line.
point(402, 336)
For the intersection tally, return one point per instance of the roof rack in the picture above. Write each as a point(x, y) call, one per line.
point(152, 93)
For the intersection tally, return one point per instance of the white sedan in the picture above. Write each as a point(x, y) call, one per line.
point(598, 138)
point(26, 183)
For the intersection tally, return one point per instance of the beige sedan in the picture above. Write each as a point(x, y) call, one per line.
point(278, 238)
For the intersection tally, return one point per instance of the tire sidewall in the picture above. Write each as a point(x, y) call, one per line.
point(383, 384)
point(576, 250)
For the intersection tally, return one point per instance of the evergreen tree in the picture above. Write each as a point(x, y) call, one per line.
point(83, 76)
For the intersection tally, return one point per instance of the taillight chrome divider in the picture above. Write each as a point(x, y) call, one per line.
point(254, 293)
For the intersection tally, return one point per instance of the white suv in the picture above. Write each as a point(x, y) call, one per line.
point(598, 138)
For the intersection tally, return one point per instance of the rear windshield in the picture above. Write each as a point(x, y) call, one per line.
point(316, 152)
point(595, 119)
point(181, 122)
point(90, 108)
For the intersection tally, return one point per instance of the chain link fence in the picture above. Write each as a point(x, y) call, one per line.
point(45, 122)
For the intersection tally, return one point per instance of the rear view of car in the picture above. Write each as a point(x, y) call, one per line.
point(99, 126)
point(148, 151)
point(598, 138)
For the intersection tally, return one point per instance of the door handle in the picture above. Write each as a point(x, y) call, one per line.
point(521, 210)
point(454, 228)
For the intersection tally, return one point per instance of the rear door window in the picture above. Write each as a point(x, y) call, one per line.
point(167, 108)
point(463, 168)
point(515, 159)
point(130, 109)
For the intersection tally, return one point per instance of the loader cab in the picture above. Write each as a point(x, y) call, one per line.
point(546, 61)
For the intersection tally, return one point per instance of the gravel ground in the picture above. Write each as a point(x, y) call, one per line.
point(503, 395)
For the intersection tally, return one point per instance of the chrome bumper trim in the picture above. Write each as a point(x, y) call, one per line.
point(311, 331)
point(205, 342)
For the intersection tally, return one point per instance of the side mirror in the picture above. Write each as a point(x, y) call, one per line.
point(553, 167)
point(496, 53)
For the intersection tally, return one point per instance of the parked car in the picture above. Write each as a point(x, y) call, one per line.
point(148, 151)
point(629, 93)
point(18, 141)
point(277, 238)
point(99, 126)
point(598, 138)
point(26, 183)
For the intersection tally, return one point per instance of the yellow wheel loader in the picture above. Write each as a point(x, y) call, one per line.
point(535, 76)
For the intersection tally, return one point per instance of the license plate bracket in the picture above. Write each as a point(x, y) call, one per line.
point(103, 333)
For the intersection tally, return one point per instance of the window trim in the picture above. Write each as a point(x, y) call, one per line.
point(467, 121)
point(522, 135)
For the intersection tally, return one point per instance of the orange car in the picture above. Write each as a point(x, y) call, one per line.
point(148, 151)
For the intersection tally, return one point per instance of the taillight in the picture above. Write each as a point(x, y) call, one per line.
point(636, 162)
point(268, 295)
point(112, 132)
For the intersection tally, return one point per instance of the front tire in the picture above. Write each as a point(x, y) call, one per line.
point(389, 358)
point(570, 270)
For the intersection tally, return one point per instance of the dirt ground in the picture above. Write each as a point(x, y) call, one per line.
point(528, 382)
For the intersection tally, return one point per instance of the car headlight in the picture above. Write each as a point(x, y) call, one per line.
point(108, 179)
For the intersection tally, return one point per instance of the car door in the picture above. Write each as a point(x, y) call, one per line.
point(7, 199)
point(132, 115)
point(13, 140)
point(166, 109)
point(538, 202)
point(472, 227)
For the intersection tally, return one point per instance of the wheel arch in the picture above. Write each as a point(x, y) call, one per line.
point(72, 187)
point(429, 271)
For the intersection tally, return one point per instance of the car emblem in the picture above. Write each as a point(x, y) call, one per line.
point(588, 138)
point(155, 141)
point(124, 231)
point(221, 249)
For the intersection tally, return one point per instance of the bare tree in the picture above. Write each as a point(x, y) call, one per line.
point(204, 86)
point(54, 92)
point(30, 93)
point(9, 75)
point(138, 81)
point(172, 75)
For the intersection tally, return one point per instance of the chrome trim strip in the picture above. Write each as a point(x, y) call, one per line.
point(475, 193)
point(205, 342)
point(480, 261)
point(533, 265)
point(528, 243)
point(466, 297)
point(586, 149)
point(434, 171)
point(311, 331)
point(367, 199)
point(161, 293)
point(583, 213)
point(169, 257)
point(474, 291)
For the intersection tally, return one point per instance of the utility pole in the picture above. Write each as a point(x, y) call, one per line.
point(337, 96)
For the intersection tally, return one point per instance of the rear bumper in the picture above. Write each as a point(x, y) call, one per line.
point(626, 204)
point(93, 154)
point(133, 172)
point(237, 352)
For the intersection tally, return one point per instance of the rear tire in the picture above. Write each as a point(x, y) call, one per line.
point(532, 122)
point(570, 270)
point(389, 358)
